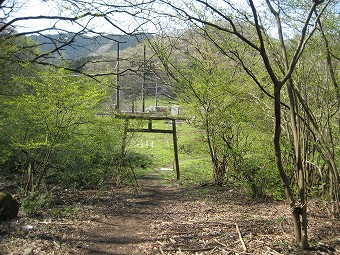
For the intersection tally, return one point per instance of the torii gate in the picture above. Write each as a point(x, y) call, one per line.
point(150, 129)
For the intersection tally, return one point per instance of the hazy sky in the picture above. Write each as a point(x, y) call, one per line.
point(49, 8)
point(33, 8)
point(39, 8)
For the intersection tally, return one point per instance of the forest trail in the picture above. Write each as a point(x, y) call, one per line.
point(159, 219)
point(131, 229)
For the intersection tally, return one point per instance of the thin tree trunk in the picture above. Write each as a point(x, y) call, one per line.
point(299, 167)
point(122, 154)
point(326, 152)
point(29, 182)
point(279, 165)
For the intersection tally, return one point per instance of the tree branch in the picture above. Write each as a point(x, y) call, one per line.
point(304, 37)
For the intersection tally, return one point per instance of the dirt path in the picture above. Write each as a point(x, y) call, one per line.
point(157, 219)
point(130, 229)
point(170, 220)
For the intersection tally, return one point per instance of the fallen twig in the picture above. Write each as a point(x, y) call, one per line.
point(241, 239)
point(271, 250)
point(232, 250)
point(161, 250)
point(189, 249)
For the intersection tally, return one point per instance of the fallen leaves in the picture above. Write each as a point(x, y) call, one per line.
point(165, 220)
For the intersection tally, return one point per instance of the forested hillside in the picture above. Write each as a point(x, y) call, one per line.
point(74, 46)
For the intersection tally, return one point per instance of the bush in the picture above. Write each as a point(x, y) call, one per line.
point(34, 202)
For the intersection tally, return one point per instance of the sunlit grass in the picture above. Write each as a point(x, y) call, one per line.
point(195, 166)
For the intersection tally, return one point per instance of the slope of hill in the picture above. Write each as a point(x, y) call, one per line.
point(73, 46)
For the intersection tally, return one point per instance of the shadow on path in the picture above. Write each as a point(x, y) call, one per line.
point(129, 226)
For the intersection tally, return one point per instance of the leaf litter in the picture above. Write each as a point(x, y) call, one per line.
point(160, 219)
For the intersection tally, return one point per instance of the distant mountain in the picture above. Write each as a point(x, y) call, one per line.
point(75, 47)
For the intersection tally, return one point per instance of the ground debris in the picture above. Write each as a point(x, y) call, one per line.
point(164, 220)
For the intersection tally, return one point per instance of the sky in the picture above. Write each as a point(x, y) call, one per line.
point(48, 8)
point(33, 8)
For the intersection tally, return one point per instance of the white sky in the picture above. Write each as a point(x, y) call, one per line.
point(49, 8)
point(33, 8)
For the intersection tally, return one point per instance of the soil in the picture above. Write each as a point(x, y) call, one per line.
point(160, 219)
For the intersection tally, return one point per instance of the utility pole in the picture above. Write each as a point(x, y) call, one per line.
point(144, 80)
point(118, 76)
point(156, 96)
point(117, 79)
point(133, 102)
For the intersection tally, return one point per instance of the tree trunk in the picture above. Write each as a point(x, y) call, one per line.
point(303, 239)
point(218, 166)
point(296, 211)
point(28, 178)
point(122, 154)
point(327, 153)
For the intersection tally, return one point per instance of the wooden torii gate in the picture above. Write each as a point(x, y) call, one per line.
point(150, 129)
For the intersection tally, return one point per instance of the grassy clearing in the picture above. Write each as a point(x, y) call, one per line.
point(194, 161)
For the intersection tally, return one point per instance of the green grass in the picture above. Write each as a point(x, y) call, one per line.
point(194, 162)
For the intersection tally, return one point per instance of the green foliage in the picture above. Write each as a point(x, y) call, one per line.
point(89, 157)
point(261, 180)
point(228, 112)
point(53, 131)
point(223, 109)
point(13, 51)
point(41, 122)
point(34, 202)
point(67, 211)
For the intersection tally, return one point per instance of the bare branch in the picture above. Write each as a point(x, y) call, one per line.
point(305, 36)
point(262, 50)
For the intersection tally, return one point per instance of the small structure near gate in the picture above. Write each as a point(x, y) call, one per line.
point(173, 110)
